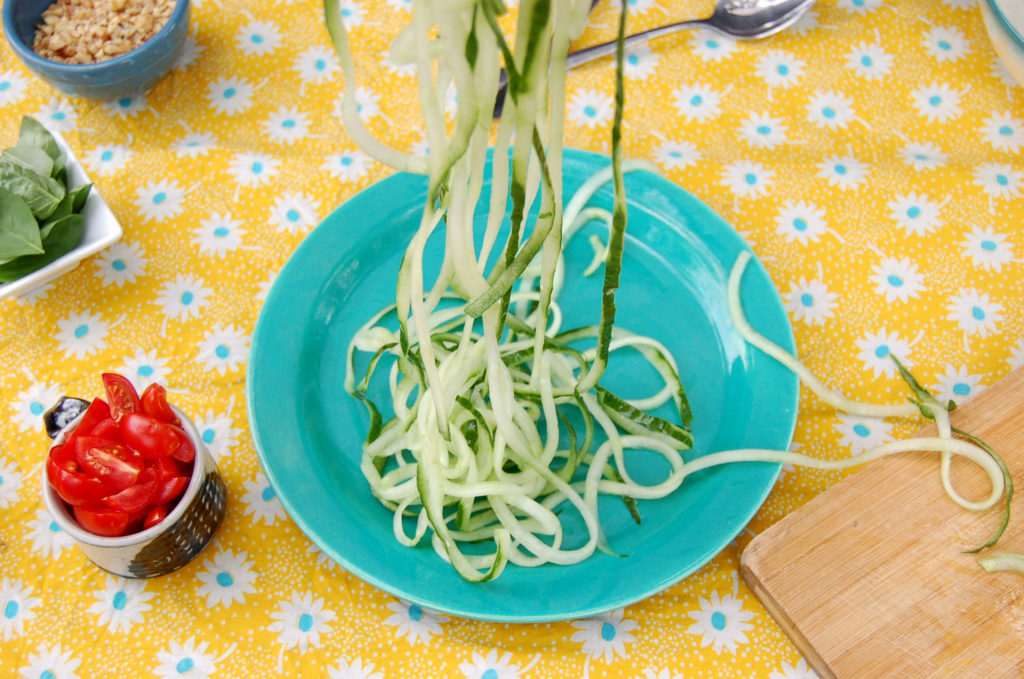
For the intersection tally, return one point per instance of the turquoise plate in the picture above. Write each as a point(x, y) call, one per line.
point(308, 431)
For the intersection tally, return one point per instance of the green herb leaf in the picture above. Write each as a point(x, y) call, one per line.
point(40, 192)
point(19, 231)
point(79, 196)
point(30, 158)
point(61, 239)
point(32, 134)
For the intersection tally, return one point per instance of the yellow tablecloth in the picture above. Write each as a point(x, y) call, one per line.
point(870, 156)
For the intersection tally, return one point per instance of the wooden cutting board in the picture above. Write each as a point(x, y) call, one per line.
point(869, 579)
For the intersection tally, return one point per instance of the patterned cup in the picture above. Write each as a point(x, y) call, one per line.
point(168, 545)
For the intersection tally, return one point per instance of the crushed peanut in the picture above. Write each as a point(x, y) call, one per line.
point(88, 31)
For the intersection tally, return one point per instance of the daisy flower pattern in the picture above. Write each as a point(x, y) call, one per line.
point(801, 222)
point(57, 115)
point(998, 180)
point(779, 69)
point(747, 179)
point(1003, 132)
point(223, 349)
point(218, 234)
point(10, 483)
point(945, 44)
point(762, 131)
point(127, 107)
point(987, 249)
point(29, 405)
point(107, 159)
point(677, 155)
point(863, 433)
point(915, 213)
point(294, 213)
point(123, 262)
point(317, 65)
point(711, 45)
point(830, 110)
point(356, 669)
point(259, 38)
point(663, 673)
point(184, 297)
point(16, 604)
point(957, 385)
point(82, 334)
point(638, 7)
point(301, 621)
point(253, 169)
point(352, 12)
point(51, 663)
point(48, 539)
point(897, 279)
point(590, 109)
point(974, 312)
point(159, 201)
point(261, 501)
point(413, 622)
point(12, 88)
point(227, 578)
point(870, 62)
point(144, 368)
point(798, 671)
point(490, 666)
point(876, 350)
point(810, 301)
point(697, 102)
point(217, 433)
point(641, 61)
point(121, 604)
point(843, 172)
point(860, 6)
point(348, 166)
point(191, 50)
point(230, 95)
point(195, 144)
point(923, 156)
point(937, 102)
point(286, 125)
point(187, 659)
point(721, 622)
point(606, 635)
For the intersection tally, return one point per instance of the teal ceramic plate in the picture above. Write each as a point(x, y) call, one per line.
point(308, 431)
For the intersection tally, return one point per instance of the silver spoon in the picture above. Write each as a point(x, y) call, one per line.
point(746, 19)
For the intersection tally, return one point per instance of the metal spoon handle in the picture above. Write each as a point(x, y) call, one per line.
point(589, 54)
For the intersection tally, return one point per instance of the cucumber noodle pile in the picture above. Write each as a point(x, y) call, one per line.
point(500, 428)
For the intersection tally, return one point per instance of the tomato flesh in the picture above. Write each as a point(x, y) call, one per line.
point(121, 394)
point(74, 488)
point(151, 437)
point(170, 489)
point(157, 514)
point(113, 463)
point(154, 403)
point(185, 452)
point(102, 521)
point(97, 411)
point(136, 497)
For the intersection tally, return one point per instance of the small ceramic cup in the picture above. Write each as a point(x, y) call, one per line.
point(168, 545)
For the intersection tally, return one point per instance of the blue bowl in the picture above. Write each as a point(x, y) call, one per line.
point(129, 74)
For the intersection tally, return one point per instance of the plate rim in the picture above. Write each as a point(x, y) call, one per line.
point(409, 594)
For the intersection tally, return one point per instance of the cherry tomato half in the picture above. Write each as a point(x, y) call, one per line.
point(121, 394)
point(186, 452)
point(137, 497)
point(102, 521)
point(97, 411)
point(107, 429)
point(157, 514)
point(154, 402)
point(168, 467)
point(169, 489)
point(75, 488)
point(112, 462)
point(148, 435)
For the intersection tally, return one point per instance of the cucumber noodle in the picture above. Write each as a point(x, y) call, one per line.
point(497, 411)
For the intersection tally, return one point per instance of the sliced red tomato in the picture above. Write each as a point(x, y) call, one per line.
point(137, 497)
point(112, 462)
point(169, 489)
point(148, 435)
point(168, 467)
point(154, 402)
point(63, 455)
point(121, 394)
point(103, 521)
point(186, 452)
point(156, 515)
point(97, 411)
point(107, 429)
point(75, 488)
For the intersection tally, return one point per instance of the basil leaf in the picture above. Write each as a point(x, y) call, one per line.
point(19, 231)
point(79, 196)
point(72, 202)
point(30, 158)
point(33, 134)
point(62, 238)
point(40, 192)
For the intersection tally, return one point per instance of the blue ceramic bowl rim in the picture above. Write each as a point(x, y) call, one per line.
point(1010, 28)
point(28, 55)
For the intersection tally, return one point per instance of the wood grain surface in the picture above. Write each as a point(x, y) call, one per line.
point(870, 578)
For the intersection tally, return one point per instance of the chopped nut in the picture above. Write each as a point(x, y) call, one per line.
point(87, 31)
